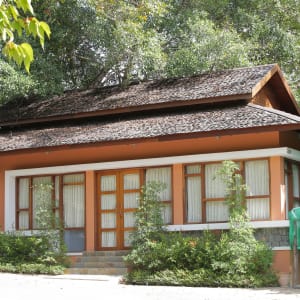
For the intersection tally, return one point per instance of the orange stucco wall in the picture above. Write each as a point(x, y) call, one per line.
point(281, 261)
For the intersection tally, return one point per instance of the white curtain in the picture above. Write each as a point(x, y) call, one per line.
point(131, 181)
point(258, 209)
point(129, 219)
point(23, 203)
point(108, 183)
point(108, 201)
point(257, 181)
point(216, 211)
point(131, 200)
point(214, 185)
point(109, 239)
point(257, 177)
point(193, 169)
point(73, 198)
point(41, 197)
point(162, 175)
point(108, 220)
point(194, 207)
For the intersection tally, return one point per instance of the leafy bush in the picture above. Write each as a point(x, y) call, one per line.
point(236, 259)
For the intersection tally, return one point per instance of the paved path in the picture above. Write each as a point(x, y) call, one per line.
point(27, 287)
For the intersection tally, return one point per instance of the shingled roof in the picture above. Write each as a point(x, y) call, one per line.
point(225, 85)
point(211, 120)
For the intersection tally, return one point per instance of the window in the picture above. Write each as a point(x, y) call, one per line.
point(163, 175)
point(292, 178)
point(205, 192)
point(67, 194)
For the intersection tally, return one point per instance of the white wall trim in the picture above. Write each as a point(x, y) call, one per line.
point(224, 226)
point(10, 175)
point(281, 248)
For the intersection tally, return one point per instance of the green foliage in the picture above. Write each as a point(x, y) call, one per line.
point(12, 21)
point(236, 259)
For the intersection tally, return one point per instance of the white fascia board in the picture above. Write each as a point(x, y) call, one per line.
point(224, 226)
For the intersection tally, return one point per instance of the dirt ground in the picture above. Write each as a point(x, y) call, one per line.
point(25, 287)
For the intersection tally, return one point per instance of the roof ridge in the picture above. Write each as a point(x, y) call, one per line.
point(276, 111)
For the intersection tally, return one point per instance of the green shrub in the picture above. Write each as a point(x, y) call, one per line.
point(236, 259)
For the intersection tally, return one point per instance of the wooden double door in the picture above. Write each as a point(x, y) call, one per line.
point(117, 200)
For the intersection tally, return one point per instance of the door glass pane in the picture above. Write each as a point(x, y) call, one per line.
point(108, 220)
point(24, 193)
point(295, 172)
point(57, 188)
point(127, 238)
point(216, 211)
point(131, 181)
point(108, 183)
point(131, 200)
point(129, 219)
point(108, 239)
point(108, 201)
point(23, 220)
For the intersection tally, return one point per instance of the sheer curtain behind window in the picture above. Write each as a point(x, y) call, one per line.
point(73, 196)
point(257, 181)
point(216, 211)
point(163, 175)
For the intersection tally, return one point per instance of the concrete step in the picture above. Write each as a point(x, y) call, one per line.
point(100, 263)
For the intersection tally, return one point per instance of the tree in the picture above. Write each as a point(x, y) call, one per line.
point(97, 43)
point(17, 16)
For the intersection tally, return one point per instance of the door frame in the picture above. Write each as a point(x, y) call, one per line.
point(120, 229)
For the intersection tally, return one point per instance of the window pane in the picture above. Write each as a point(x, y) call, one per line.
point(24, 193)
point(73, 178)
point(216, 211)
point(41, 199)
point(74, 206)
point(258, 209)
point(57, 188)
point(131, 181)
point(131, 200)
point(257, 177)
point(23, 220)
point(127, 238)
point(167, 214)
point(75, 240)
point(214, 185)
point(108, 183)
point(193, 169)
point(108, 201)
point(194, 199)
point(108, 239)
point(129, 219)
point(108, 220)
point(162, 175)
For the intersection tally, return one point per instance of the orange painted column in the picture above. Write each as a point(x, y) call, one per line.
point(178, 209)
point(277, 186)
point(90, 210)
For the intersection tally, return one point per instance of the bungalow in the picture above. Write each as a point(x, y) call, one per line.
point(97, 147)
